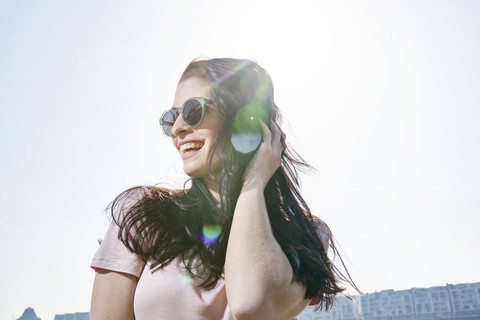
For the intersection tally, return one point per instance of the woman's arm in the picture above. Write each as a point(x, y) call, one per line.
point(258, 277)
point(112, 296)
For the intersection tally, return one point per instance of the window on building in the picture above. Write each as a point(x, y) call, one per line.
point(428, 307)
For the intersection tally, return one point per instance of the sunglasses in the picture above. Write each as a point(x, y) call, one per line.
point(193, 112)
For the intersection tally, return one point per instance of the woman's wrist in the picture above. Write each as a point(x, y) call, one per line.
point(253, 182)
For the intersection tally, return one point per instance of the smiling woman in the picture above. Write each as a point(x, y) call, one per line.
point(240, 243)
point(195, 140)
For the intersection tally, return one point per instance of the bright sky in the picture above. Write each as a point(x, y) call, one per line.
point(382, 97)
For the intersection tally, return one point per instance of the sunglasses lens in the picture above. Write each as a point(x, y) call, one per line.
point(193, 112)
point(167, 122)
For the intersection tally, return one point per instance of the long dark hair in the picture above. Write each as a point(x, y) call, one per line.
point(161, 224)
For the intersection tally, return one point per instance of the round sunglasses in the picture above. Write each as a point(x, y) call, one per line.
point(193, 112)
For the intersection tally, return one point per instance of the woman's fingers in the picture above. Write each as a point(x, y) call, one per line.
point(267, 134)
point(273, 141)
point(268, 157)
point(274, 135)
point(278, 136)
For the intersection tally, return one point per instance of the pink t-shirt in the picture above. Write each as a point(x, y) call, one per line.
point(165, 294)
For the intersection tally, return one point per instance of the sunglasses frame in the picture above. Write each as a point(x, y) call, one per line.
point(177, 111)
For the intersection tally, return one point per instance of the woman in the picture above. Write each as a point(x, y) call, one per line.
point(240, 242)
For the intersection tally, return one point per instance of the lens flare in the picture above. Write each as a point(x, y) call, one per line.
point(262, 91)
point(210, 234)
point(185, 279)
point(239, 67)
point(248, 134)
point(245, 142)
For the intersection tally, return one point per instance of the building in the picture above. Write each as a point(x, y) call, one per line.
point(73, 316)
point(452, 302)
point(344, 308)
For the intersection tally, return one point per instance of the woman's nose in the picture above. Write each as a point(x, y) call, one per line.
point(179, 125)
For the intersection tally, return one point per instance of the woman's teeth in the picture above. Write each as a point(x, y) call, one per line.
point(190, 147)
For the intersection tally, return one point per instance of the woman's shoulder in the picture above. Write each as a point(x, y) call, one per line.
point(136, 197)
point(142, 191)
point(139, 193)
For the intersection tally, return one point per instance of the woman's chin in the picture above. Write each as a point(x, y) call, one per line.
point(194, 172)
point(202, 174)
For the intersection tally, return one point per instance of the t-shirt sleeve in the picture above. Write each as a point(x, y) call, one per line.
point(113, 255)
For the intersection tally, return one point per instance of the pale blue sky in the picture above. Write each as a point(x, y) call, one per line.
point(382, 97)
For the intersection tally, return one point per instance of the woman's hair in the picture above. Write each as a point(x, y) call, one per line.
point(165, 224)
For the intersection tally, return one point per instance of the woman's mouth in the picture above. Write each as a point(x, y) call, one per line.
point(190, 148)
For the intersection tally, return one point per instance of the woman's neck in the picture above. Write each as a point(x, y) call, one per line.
point(213, 187)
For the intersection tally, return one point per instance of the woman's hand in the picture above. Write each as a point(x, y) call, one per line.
point(267, 158)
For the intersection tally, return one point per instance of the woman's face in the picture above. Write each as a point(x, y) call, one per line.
point(194, 144)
